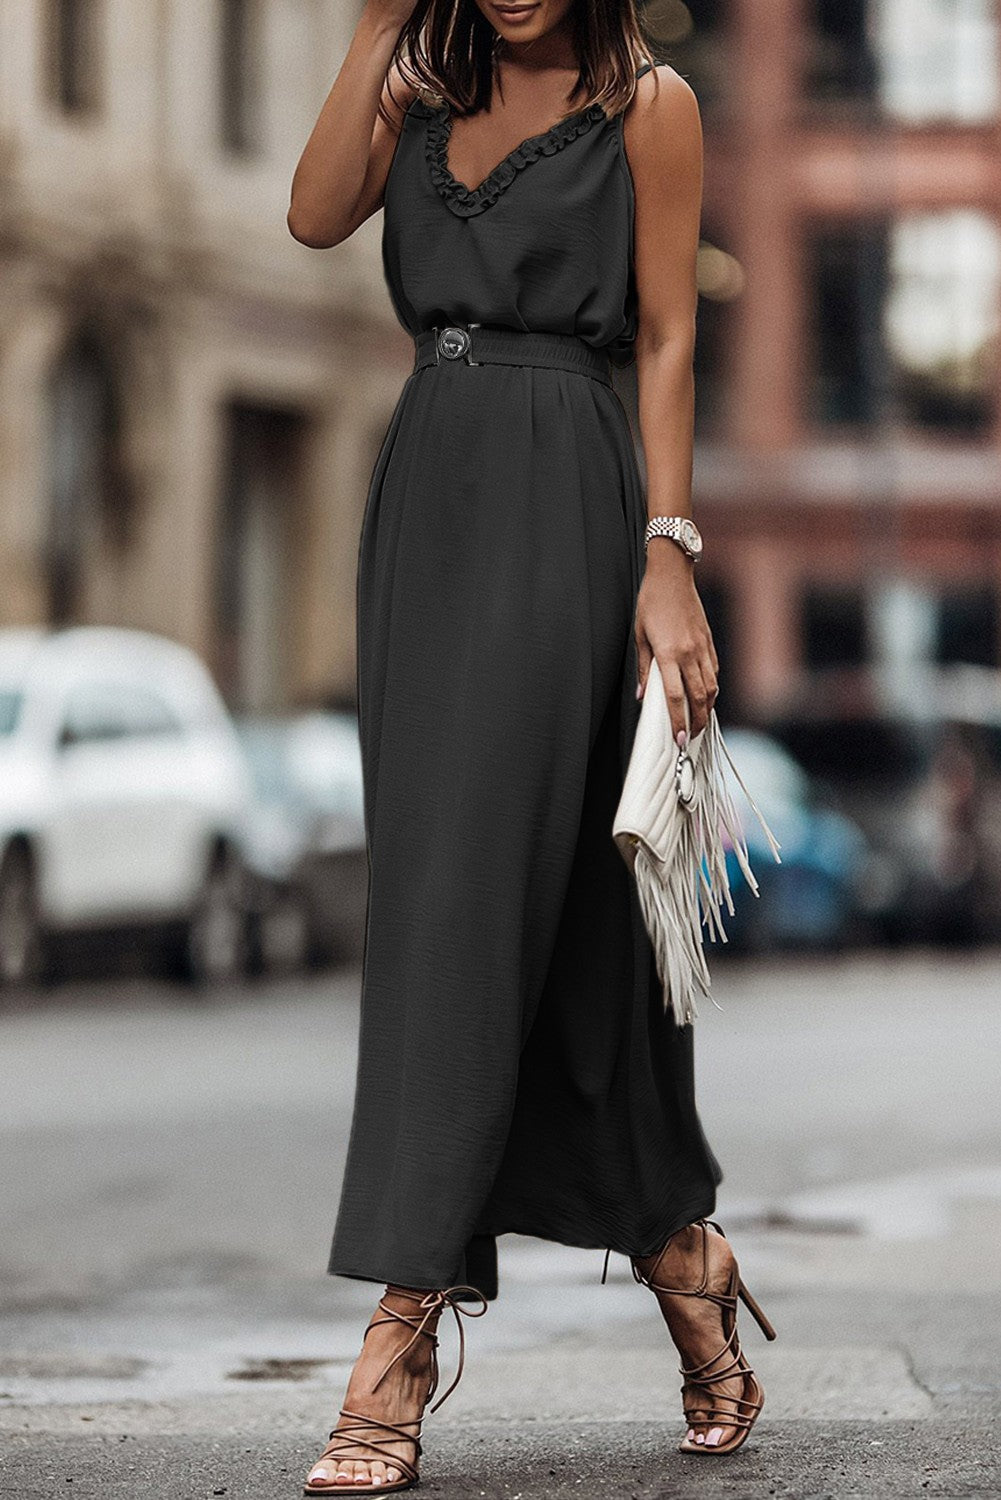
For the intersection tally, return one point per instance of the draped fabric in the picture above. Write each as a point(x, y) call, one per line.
point(516, 1070)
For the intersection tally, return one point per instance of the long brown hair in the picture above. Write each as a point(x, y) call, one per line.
point(447, 50)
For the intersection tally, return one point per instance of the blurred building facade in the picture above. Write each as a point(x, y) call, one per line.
point(191, 403)
point(849, 405)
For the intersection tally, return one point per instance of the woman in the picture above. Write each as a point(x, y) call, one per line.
point(517, 1071)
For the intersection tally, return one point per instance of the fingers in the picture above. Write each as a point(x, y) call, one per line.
point(691, 673)
point(695, 681)
point(710, 676)
point(698, 697)
point(674, 692)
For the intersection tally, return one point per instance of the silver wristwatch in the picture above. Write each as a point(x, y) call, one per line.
point(680, 529)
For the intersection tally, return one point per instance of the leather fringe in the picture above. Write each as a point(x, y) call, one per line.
point(688, 892)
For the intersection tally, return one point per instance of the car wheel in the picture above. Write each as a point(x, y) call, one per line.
point(21, 948)
point(215, 939)
point(282, 936)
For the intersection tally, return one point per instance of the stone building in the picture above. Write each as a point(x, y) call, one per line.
point(190, 402)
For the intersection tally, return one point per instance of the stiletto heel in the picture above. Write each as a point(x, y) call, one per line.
point(703, 1408)
point(755, 1311)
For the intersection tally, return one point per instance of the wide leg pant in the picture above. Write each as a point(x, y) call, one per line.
point(516, 1069)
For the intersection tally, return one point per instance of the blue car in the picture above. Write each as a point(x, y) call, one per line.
point(823, 893)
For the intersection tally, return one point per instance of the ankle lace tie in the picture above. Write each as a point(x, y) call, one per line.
point(429, 1307)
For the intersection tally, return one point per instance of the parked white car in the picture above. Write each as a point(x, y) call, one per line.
point(123, 788)
point(305, 843)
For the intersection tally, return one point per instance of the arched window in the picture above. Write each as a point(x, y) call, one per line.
point(72, 54)
point(239, 75)
point(261, 553)
point(84, 491)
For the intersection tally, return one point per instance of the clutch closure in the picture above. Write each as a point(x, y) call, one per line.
point(684, 777)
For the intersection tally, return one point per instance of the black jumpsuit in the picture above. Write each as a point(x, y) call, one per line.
point(517, 1072)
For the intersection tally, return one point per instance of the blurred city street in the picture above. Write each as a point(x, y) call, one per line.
point(171, 1175)
point(193, 406)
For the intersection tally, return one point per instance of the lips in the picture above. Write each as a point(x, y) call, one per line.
point(514, 10)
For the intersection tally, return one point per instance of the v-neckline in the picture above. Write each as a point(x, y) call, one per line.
point(466, 201)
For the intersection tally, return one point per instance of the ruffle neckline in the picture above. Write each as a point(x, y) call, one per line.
point(466, 201)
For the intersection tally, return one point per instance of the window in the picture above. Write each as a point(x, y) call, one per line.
point(239, 80)
point(690, 37)
point(849, 274)
point(915, 60)
point(11, 703)
point(840, 61)
point(261, 549)
point(902, 612)
point(89, 495)
point(720, 278)
point(906, 322)
point(968, 626)
point(941, 318)
point(939, 59)
point(833, 624)
point(72, 54)
point(115, 711)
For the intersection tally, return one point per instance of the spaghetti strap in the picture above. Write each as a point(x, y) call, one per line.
point(644, 68)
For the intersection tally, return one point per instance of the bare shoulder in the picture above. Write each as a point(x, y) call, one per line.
point(662, 118)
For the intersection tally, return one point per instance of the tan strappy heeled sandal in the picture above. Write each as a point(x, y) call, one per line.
point(740, 1412)
point(360, 1432)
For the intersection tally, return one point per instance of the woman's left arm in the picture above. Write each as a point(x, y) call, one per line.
point(663, 135)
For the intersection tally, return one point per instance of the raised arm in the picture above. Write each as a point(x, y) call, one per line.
point(341, 176)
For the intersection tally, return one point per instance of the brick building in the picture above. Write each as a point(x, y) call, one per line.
point(847, 470)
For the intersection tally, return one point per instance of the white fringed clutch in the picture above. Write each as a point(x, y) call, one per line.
point(673, 813)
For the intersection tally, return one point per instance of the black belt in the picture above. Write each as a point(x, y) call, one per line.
point(510, 346)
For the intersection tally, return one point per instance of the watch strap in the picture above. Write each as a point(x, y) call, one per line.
point(672, 527)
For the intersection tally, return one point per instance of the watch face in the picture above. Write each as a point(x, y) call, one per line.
point(691, 538)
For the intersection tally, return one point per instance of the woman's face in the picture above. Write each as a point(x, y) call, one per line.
point(520, 21)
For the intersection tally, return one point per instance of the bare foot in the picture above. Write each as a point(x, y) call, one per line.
point(399, 1398)
point(697, 1328)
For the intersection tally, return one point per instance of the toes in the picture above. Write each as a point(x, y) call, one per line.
point(352, 1473)
point(713, 1436)
point(347, 1471)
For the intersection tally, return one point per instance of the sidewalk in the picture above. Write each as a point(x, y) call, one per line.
point(570, 1388)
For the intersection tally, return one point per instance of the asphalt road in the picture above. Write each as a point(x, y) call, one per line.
point(170, 1178)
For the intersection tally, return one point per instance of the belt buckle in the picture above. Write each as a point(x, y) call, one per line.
point(454, 342)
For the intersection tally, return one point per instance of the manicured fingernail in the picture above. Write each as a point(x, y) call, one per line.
point(639, 690)
point(682, 739)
